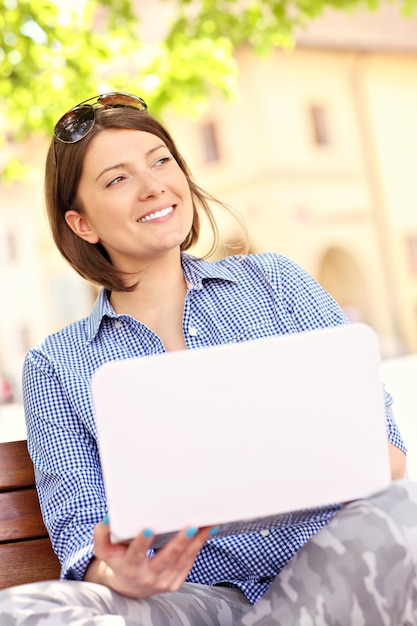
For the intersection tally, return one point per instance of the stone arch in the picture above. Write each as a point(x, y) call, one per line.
point(340, 274)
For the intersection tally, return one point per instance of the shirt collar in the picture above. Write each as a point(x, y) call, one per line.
point(195, 272)
point(101, 308)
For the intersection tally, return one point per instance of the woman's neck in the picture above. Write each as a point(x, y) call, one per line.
point(157, 301)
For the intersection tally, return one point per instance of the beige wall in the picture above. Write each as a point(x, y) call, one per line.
point(392, 118)
point(39, 292)
point(355, 198)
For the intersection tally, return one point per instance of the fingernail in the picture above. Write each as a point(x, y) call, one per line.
point(213, 531)
point(147, 533)
point(191, 532)
point(106, 520)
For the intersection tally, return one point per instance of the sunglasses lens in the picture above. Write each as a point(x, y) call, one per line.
point(75, 124)
point(122, 100)
point(78, 122)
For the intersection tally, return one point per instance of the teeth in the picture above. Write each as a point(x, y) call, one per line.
point(153, 216)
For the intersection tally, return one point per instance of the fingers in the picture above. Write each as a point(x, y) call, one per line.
point(104, 549)
point(171, 565)
point(181, 551)
point(130, 570)
point(139, 547)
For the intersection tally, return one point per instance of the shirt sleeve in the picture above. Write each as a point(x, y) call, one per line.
point(310, 305)
point(64, 452)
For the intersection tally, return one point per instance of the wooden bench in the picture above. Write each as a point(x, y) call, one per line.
point(26, 553)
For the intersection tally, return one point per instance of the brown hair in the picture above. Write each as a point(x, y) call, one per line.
point(62, 175)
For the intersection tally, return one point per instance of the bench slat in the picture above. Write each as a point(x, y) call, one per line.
point(20, 516)
point(16, 469)
point(26, 553)
point(26, 562)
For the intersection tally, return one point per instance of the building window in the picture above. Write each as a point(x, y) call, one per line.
point(12, 254)
point(25, 339)
point(210, 142)
point(412, 251)
point(319, 124)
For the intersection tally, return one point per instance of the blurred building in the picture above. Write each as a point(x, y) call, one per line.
point(319, 155)
point(40, 293)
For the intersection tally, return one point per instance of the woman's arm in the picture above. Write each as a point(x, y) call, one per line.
point(397, 461)
point(63, 448)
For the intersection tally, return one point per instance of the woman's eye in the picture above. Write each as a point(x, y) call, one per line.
point(163, 160)
point(114, 181)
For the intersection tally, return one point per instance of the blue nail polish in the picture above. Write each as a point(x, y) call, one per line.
point(106, 520)
point(213, 531)
point(191, 532)
point(147, 533)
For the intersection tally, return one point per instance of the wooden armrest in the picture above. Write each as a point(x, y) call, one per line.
point(26, 553)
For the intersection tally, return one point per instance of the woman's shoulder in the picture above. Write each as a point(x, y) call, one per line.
point(61, 340)
point(269, 263)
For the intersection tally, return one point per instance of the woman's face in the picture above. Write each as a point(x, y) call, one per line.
point(136, 200)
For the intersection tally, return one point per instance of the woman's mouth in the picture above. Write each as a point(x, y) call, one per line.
point(156, 214)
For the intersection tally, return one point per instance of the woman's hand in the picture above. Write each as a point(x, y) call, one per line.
point(127, 569)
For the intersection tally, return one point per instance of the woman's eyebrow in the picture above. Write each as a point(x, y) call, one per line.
point(160, 145)
point(111, 167)
point(116, 165)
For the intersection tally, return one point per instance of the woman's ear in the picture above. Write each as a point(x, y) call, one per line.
point(81, 227)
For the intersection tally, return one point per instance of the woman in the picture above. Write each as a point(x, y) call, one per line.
point(123, 209)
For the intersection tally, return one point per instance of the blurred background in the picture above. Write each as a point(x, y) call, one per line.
point(303, 118)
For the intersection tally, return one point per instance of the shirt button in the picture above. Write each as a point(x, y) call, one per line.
point(192, 331)
point(265, 532)
point(117, 324)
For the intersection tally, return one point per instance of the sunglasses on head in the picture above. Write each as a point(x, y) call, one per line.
point(79, 120)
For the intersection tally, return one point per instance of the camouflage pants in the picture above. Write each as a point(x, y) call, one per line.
point(361, 570)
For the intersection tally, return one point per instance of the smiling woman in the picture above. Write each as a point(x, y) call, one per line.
point(62, 193)
point(133, 199)
point(123, 210)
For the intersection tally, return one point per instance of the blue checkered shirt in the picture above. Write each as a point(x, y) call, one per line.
point(234, 299)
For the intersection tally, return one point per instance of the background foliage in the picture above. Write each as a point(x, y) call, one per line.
point(55, 53)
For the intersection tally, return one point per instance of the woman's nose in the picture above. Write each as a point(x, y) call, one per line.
point(150, 185)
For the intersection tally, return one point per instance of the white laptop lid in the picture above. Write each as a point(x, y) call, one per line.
point(241, 431)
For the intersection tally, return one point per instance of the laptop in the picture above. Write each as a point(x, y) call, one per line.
point(241, 436)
